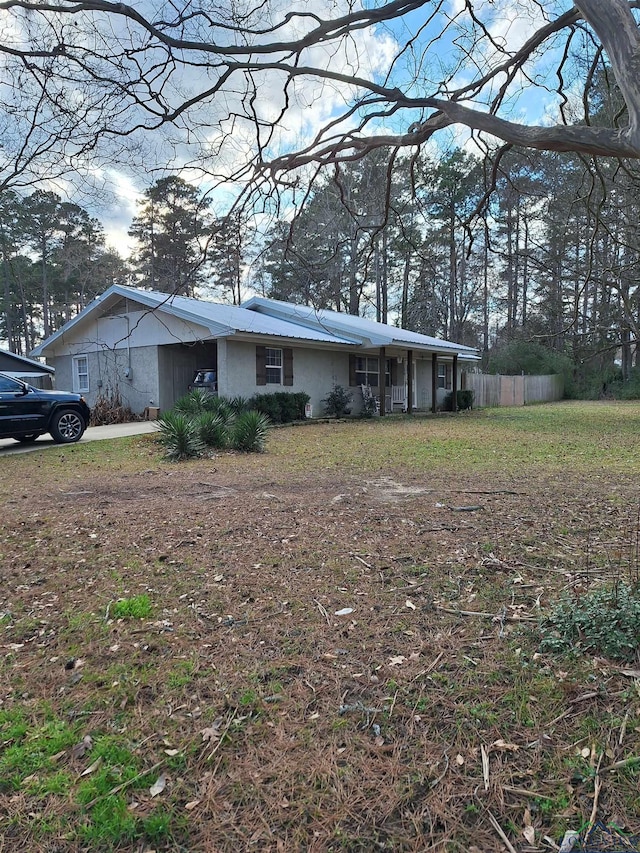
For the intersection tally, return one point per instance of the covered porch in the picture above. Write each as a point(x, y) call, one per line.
point(413, 380)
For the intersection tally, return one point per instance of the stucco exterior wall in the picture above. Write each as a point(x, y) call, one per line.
point(123, 356)
point(142, 328)
point(315, 372)
point(131, 374)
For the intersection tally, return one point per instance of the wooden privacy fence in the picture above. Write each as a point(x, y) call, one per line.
point(489, 390)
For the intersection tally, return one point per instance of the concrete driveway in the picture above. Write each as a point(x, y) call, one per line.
point(8, 445)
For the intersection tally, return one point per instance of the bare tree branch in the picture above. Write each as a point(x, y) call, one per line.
point(259, 91)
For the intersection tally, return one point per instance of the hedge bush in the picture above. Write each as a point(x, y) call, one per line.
point(464, 399)
point(280, 407)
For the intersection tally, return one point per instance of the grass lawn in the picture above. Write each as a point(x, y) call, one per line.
point(332, 646)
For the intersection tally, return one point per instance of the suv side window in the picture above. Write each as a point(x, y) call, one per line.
point(9, 385)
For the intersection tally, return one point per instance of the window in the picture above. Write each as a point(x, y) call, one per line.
point(367, 371)
point(444, 376)
point(273, 365)
point(9, 385)
point(80, 373)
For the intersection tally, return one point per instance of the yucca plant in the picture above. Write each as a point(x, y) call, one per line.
point(196, 401)
point(213, 429)
point(250, 432)
point(239, 404)
point(222, 407)
point(180, 436)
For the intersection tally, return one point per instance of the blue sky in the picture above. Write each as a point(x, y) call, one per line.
point(313, 103)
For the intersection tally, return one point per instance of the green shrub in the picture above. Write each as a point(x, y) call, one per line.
point(290, 407)
point(269, 405)
point(336, 403)
point(213, 429)
point(196, 401)
point(604, 621)
point(207, 421)
point(179, 435)
point(239, 404)
point(281, 407)
point(221, 406)
point(250, 432)
point(532, 358)
point(464, 399)
point(614, 387)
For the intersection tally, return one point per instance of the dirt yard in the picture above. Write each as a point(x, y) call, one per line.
point(337, 656)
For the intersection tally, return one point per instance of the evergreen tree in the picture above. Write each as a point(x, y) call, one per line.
point(171, 232)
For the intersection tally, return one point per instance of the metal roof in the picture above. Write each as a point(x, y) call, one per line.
point(220, 320)
point(232, 319)
point(364, 332)
point(26, 367)
point(269, 318)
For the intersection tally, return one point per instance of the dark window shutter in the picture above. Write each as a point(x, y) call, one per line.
point(352, 370)
point(261, 365)
point(287, 366)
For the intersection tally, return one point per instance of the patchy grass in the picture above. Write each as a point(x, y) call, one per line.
point(136, 607)
point(331, 646)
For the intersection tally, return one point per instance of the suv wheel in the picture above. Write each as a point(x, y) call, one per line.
point(67, 426)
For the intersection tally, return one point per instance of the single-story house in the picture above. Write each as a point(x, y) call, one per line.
point(147, 346)
point(20, 367)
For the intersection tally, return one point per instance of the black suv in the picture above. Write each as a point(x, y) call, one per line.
point(27, 412)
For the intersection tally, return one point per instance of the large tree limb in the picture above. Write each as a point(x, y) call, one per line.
point(206, 64)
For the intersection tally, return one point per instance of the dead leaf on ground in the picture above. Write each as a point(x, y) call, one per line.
point(528, 831)
point(92, 767)
point(503, 745)
point(79, 750)
point(158, 786)
point(212, 732)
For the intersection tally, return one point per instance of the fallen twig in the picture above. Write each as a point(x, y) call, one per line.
point(430, 668)
point(485, 766)
point(486, 615)
point(500, 831)
point(322, 610)
point(439, 779)
point(623, 729)
point(221, 738)
point(523, 792)
point(618, 765)
point(597, 787)
point(584, 697)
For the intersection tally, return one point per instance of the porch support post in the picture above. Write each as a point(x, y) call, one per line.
point(434, 382)
point(454, 384)
point(409, 381)
point(382, 374)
